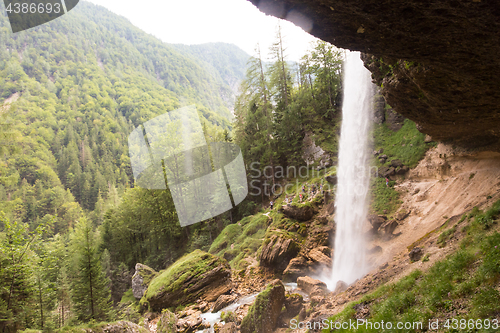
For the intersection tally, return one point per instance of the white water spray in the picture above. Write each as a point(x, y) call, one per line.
point(353, 174)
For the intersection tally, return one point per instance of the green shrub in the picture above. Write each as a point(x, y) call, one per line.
point(240, 240)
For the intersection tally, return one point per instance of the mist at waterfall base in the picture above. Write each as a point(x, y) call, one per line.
point(351, 200)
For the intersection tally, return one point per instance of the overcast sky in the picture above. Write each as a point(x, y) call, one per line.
point(202, 21)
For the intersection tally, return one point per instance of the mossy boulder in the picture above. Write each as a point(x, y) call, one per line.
point(263, 315)
point(197, 275)
point(167, 323)
point(141, 279)
point(301, 213)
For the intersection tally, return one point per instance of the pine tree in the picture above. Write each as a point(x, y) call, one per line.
point(90, 292)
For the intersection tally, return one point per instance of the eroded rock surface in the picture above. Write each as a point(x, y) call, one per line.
point(278, 252)
point(312, 286)
point(223, 301)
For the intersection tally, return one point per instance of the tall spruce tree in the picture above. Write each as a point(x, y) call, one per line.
point(90, 292)
point(253, 113)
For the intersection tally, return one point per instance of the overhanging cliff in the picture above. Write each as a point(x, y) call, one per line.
point(437, 61)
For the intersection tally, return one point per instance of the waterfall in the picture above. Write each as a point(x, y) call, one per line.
point(353, 174)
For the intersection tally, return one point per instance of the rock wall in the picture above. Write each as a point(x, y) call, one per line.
point(436, 61)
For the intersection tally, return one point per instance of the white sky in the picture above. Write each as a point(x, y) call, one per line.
point(201, 21)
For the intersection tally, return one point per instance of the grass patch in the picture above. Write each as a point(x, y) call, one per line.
point(406, 145)
point(466, 278)
point(128, 297)
point(385, 199)
point(445, 236)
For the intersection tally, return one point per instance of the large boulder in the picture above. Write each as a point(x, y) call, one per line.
point(341, 286)
point(263, 315)
point(296, 267)
point(277, 253)
point(377, 220)
point(229, 328)
point(293, 304)
point(141, 279)
point(198, 275)
point(317, 255)
point(385, 171)
point(191, 324)
point(301, 213)
point(332, 179)
point(311, 286)
point(415, 254)
point(396, 163)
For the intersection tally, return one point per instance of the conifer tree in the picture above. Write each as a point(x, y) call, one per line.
point(90, 293)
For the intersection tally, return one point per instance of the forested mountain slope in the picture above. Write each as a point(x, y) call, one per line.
point(93, 77)
point(71, 91)
point(227, 60)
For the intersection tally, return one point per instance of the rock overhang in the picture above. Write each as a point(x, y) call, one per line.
point(436, 61)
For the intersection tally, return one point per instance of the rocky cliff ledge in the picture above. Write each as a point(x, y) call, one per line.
point(436, 60)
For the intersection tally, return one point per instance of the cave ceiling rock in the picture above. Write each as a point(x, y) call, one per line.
point(437, 61)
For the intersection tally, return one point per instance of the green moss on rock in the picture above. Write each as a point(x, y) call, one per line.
point(167, 323)
point(264, 312)
point(239, 241)
point(197, 275)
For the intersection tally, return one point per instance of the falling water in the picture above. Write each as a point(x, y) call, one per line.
point(352, 173)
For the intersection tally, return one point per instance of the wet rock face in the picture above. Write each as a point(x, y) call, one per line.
point(437, 60)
